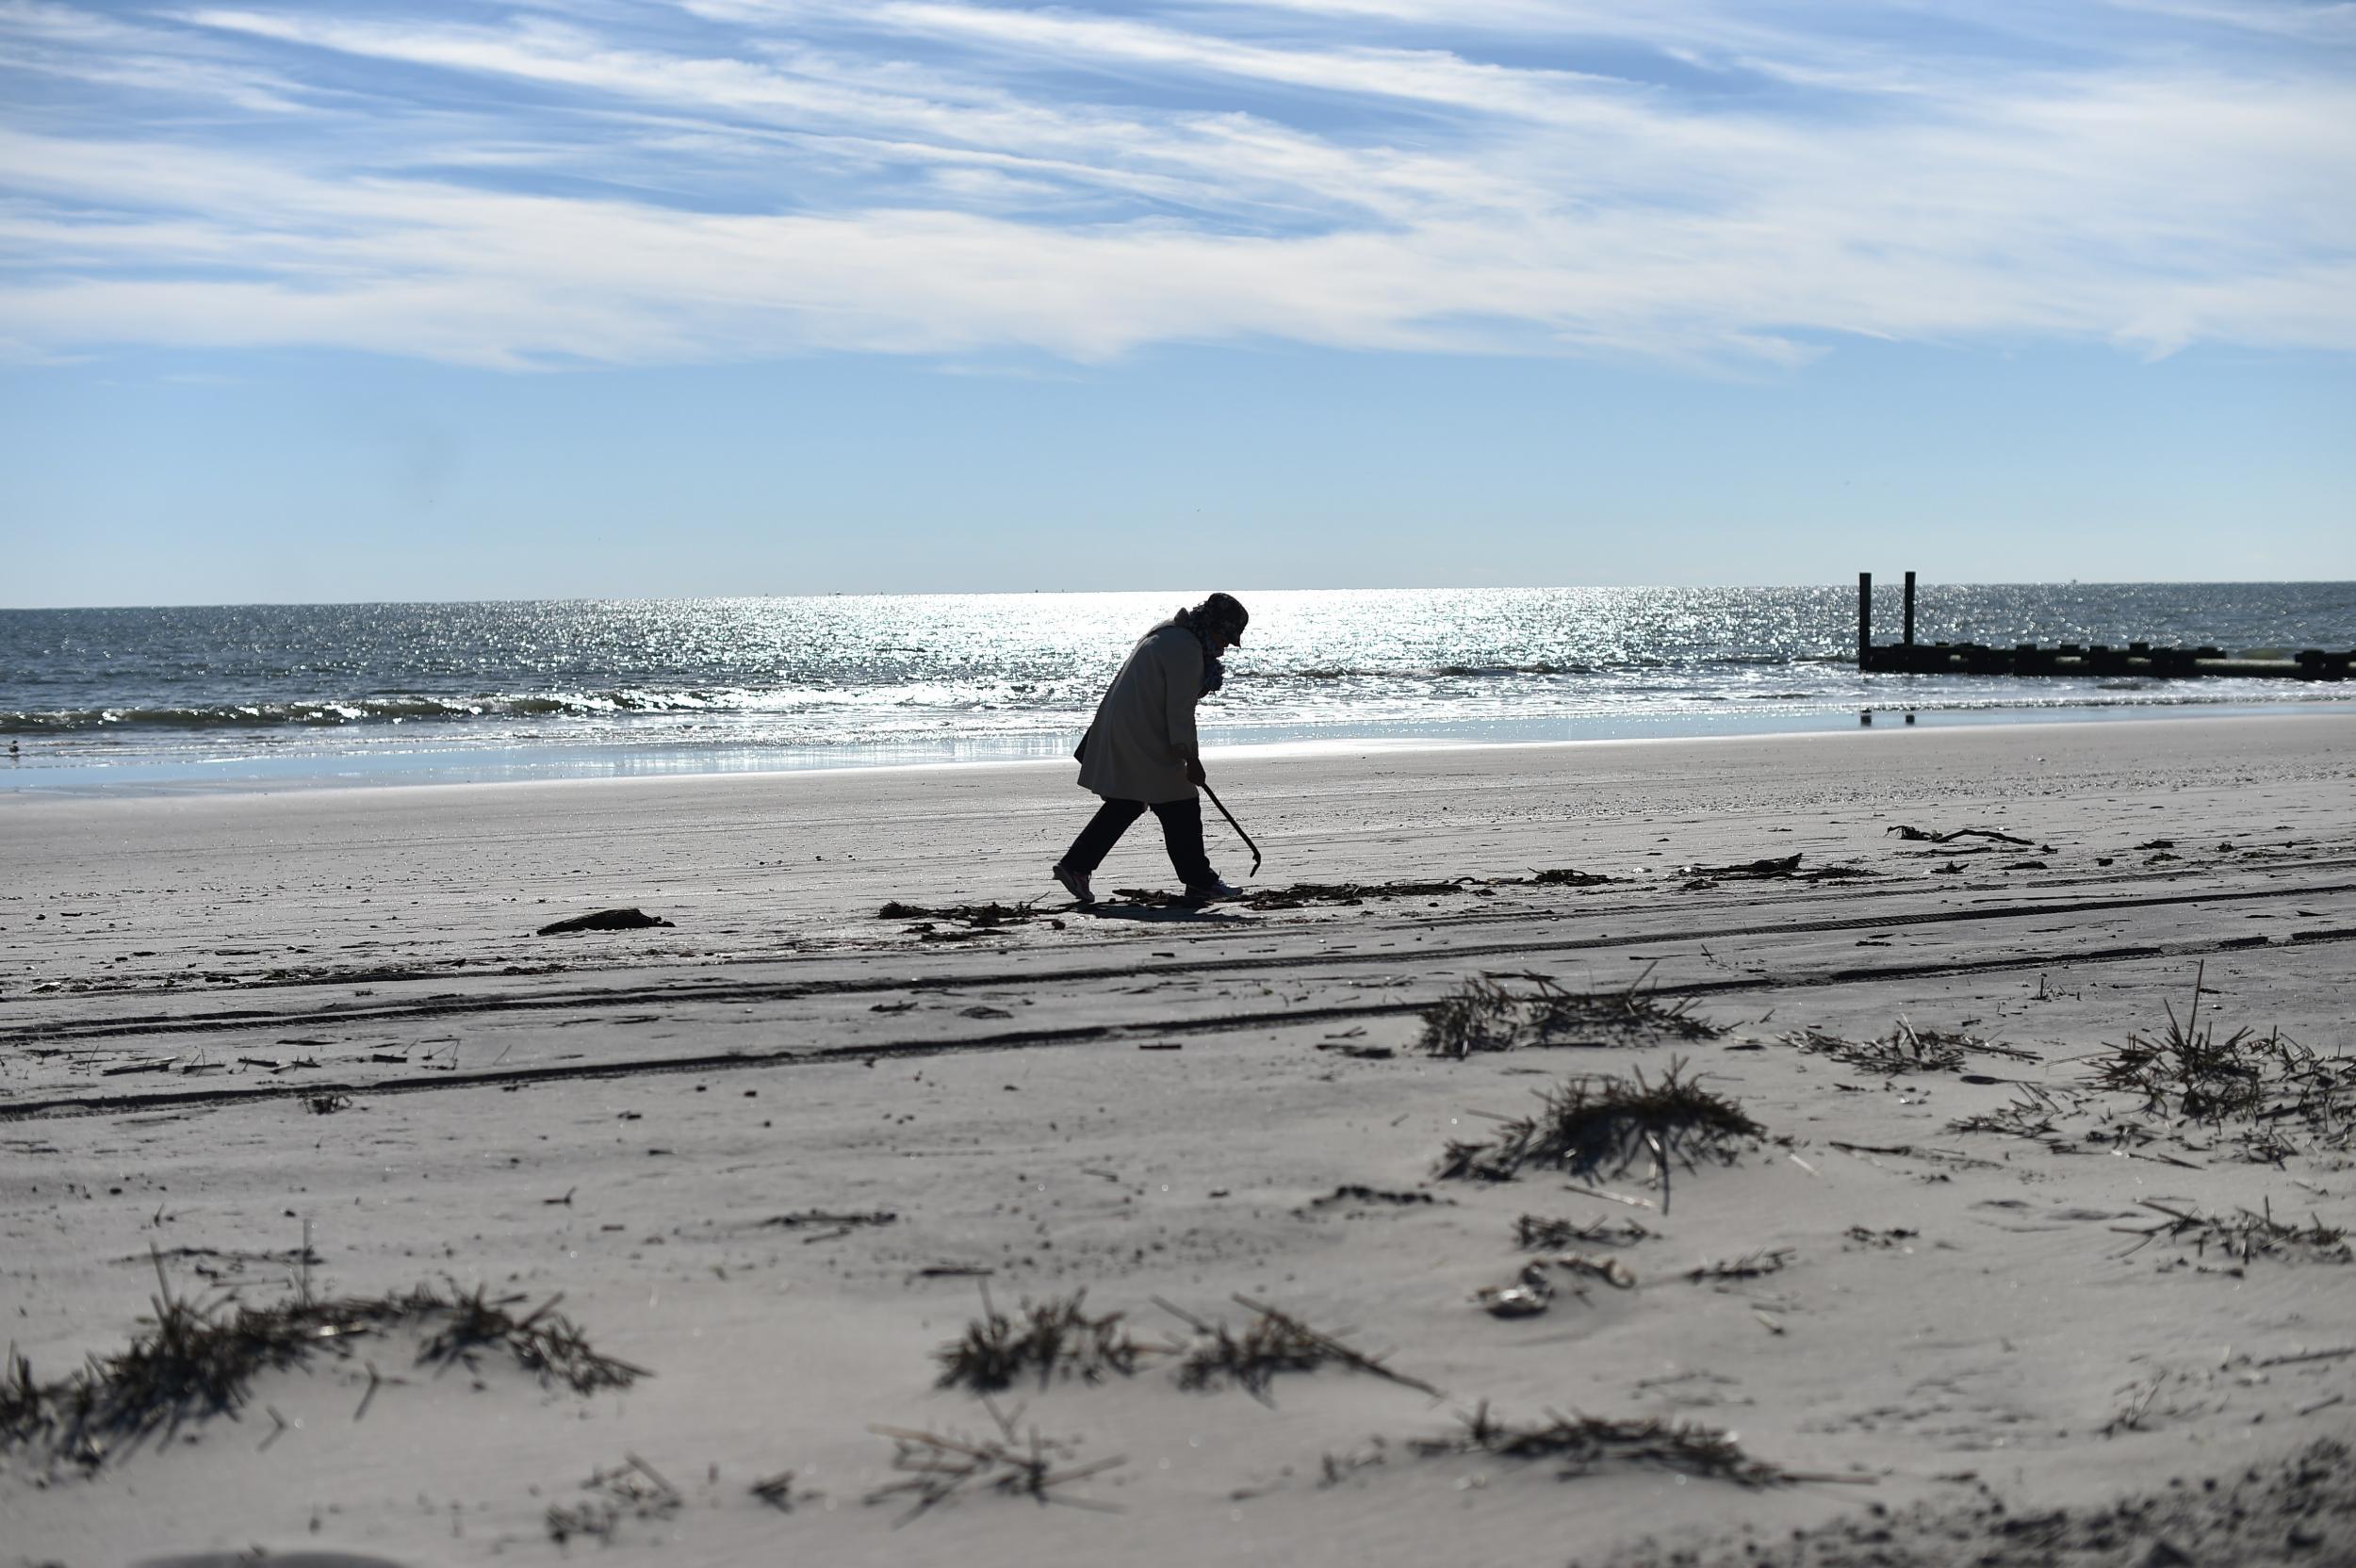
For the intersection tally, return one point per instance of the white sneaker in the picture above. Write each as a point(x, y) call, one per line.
point(1073, 883)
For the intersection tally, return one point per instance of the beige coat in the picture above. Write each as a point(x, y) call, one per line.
point(1143, 735)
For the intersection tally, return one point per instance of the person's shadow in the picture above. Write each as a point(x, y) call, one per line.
point(1164, 914)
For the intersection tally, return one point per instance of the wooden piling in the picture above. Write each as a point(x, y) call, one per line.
point(1909, 637)
point(1864, 619)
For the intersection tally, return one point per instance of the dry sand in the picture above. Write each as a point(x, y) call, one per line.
point(1963, 1329)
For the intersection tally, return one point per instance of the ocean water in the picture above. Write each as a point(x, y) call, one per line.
point(273, 695)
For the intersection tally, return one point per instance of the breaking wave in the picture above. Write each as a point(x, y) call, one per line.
point(1326, 673)
point(329, 714)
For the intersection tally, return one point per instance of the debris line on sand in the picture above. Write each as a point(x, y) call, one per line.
point(829, 1220)
point(1298, 896)
point(973, 917)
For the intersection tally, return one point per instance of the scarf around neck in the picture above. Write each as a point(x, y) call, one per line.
point(1213, 672)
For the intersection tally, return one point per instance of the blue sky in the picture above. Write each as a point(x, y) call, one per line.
point(436, 299)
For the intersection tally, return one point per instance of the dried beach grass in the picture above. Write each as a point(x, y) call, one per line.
point(2246, 1236)
point(2029, 1115)
point(1556, 1017)
point(631, 1490)
point(1538, 1233)
point(1272, 1342)
point(1484, 1015)
point(23, 1403)
point(1601, 1125)
point(1582, 1444)
point(2185, 1069)
point(2269, 1087)
point(544, 1341)
point(936, 1467)
point(1049, 1339)
point(196, 1360)
point(1905, 1049)
point(1750, 1265)
point(780, 1493)
point(1480, 1015)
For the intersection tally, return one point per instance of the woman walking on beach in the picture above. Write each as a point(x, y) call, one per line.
point(1140, 751)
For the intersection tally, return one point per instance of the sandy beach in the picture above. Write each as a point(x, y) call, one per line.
point(775, 1153)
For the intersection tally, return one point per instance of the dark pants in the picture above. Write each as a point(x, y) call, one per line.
point(1182, 831)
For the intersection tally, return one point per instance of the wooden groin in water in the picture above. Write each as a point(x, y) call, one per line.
point(1909, 657)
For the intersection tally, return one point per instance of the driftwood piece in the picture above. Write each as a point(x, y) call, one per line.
point(1780, 866)
point(604, 919)
point(1916, 834)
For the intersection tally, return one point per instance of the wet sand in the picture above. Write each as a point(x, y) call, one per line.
point(1187, 1107)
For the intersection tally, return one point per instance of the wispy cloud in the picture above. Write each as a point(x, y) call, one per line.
point(101, 52)
point(730, 178)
